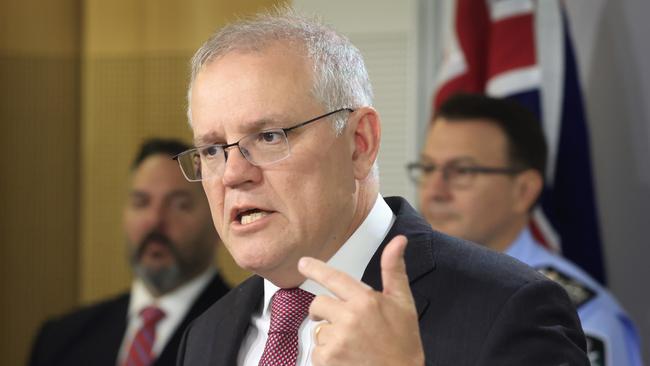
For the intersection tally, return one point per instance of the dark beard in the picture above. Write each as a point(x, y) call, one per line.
point(164, 279)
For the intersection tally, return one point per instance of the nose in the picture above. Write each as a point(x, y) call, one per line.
point(436, 186)
point(156, 217)
point(238, 170)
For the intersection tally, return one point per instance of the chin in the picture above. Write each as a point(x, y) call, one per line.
point(273, 263)
point(253, 258)
point(250, 263)
point(154, 265)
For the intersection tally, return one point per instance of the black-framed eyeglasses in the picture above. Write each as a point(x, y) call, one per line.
point(457, 173)
point(259, 148)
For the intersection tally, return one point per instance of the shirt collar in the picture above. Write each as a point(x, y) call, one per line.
point(354, 255)
point(177, 301)
point(521, 245)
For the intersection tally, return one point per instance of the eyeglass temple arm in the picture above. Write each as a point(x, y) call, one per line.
point(317, 118)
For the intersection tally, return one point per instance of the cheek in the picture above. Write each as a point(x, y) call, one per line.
point(215, 196)
point(182, 226)
point(423, 196)
point(134, 227)
point(321, 187)
point(474, 206)
point(192, 238)
point(290, 194)
point(303, 199)
point(484, 208)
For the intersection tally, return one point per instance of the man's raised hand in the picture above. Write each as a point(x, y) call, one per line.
point(363, 326)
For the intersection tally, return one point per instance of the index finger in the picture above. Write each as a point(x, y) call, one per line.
point(337, 282)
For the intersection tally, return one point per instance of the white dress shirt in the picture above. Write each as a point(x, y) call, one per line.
point(352, 258)
point(175, 304)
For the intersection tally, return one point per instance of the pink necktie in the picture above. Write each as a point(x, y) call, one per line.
point(140, 351)
point(288, 310)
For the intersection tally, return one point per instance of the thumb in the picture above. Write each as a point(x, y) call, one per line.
point(393, 269)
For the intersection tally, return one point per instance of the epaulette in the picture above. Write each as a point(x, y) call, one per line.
point(595, 350)
point(578, 292)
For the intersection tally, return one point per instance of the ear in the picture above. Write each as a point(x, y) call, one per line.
point(366, 135)
point(528, 187)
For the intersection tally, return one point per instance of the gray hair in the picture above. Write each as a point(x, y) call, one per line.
point(340, 76)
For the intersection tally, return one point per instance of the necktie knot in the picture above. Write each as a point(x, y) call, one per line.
point(151, 315)
point(288, 309)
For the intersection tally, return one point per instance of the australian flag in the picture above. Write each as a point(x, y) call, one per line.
point(522, 49)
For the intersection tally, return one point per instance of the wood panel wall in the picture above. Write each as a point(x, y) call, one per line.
point(82, 83)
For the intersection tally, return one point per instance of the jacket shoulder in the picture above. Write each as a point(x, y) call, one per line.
point(227, 304)
point(88, 312)
point(62, 332)
point(476, 263)
point(484, 300)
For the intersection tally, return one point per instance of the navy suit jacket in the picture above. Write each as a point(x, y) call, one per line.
point(93, 335)
point(475, 306)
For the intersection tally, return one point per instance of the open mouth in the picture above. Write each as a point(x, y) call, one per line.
point(156, 250)
point(250, 216)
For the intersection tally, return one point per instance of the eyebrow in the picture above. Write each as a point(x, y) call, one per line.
point(205, 139)
point(246, 127)
point(138, 194)
point(456, 159)
point(180, 193)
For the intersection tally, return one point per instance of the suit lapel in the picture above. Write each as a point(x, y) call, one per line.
point(110, 331)
point(230, 329)
point(419, 251)
point(212, 292)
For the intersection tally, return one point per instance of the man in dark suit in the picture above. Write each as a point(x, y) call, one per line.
point(171, 243)
point(287, 141)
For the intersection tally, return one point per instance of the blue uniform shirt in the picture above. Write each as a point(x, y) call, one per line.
point(612, 339)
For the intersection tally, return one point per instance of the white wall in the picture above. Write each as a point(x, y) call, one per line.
point(385, 32)
point(613, 48)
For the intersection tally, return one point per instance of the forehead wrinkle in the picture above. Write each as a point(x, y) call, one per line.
point(260, 124)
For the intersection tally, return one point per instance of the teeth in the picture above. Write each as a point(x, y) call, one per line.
point(252, 217)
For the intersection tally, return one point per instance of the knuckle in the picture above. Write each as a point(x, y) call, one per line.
point(370, 301)
point(349, 320)
point(316, 303)
point(322, 356)
point(336, 277)
point(317, 356)
point(367, 291)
